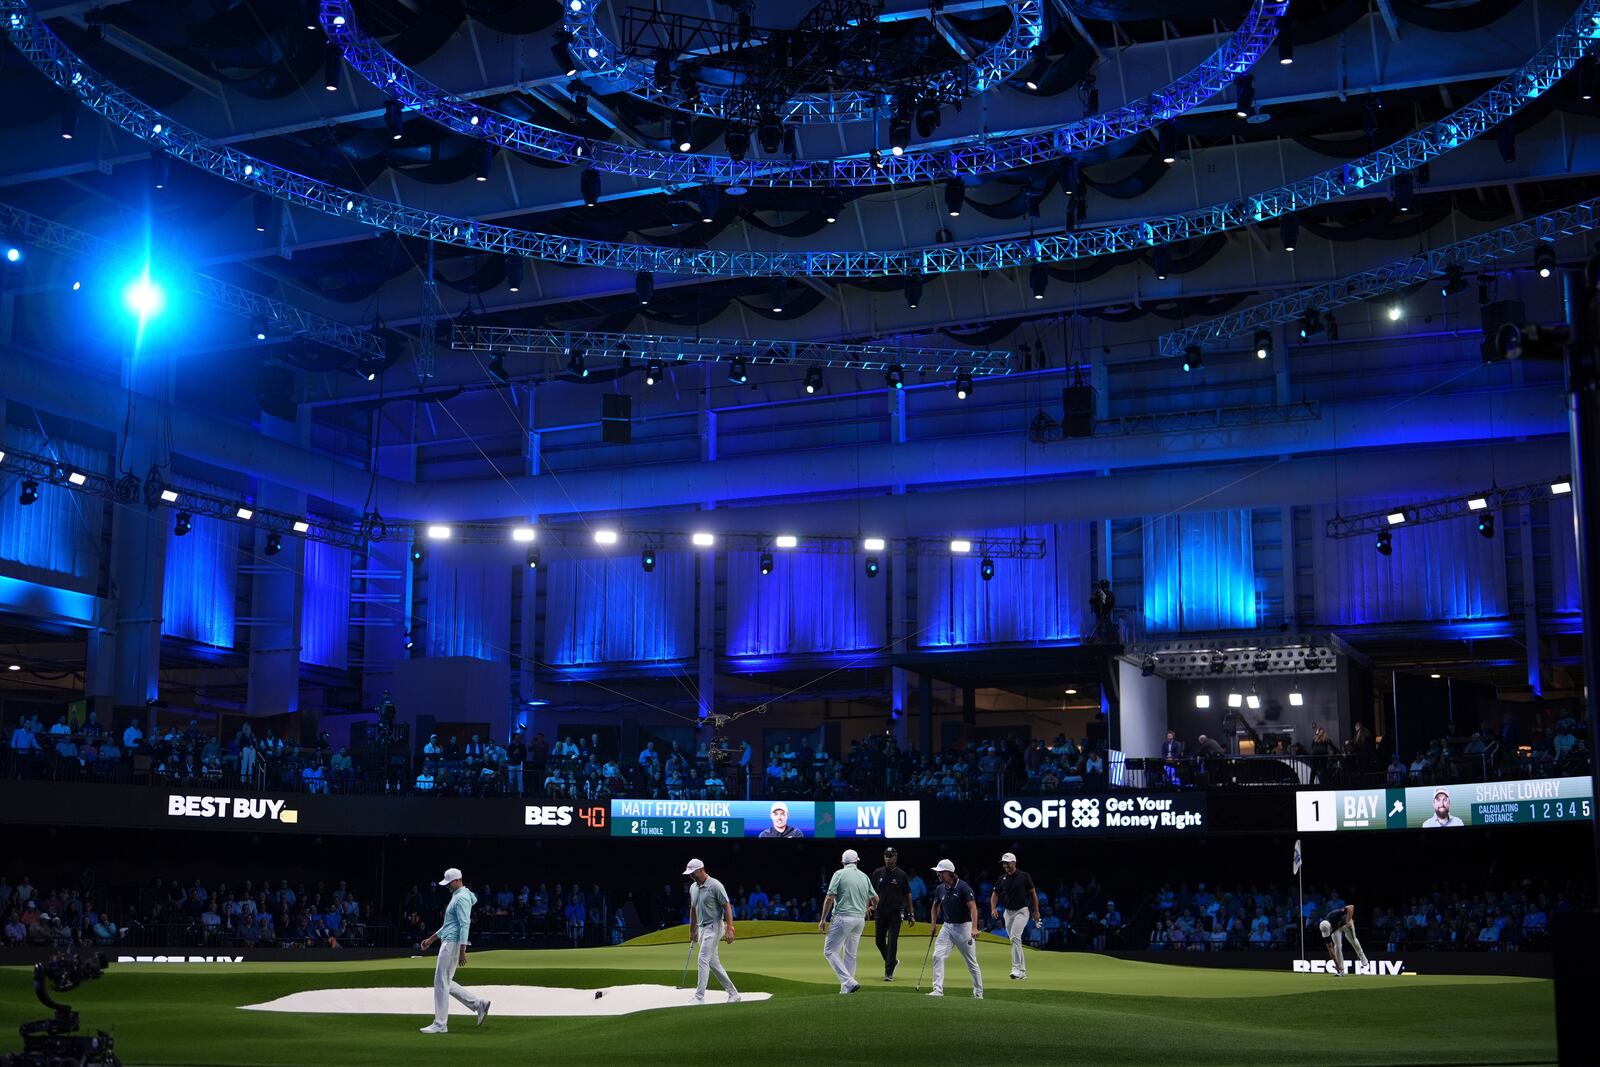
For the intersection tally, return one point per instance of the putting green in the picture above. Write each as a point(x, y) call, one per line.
point(1075, 1007)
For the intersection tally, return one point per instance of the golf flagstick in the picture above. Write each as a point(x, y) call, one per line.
point(1298, 873)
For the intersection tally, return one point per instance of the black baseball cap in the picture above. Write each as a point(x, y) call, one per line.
point(890, 851)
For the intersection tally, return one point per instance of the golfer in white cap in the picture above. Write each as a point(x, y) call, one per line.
point(1012, 891)
point(453, 942)
point(710, 920)
point(850, 898)
point(955, 925)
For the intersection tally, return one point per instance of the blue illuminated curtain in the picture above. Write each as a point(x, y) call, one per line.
point(468, 607)
point(1199, 572)
point(1027, 600)
point(202, 579)
point(60, 532)
point(1565, 597)
point(1436, 571)
point(325, 606)
point(811, 602)
point(611, 611)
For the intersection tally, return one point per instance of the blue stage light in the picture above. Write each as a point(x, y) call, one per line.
point(144, 298)
point(13, 255)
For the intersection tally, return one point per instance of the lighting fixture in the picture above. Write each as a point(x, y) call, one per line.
point(1477, 503)
point(169, 496)
point(577, 364)
point(13, 254)
point(258, 327)
point(1070, 692)
point(766, 563)
point(702, 540)
point(14, 667)
point(955, 194)
point(813, 379)
point(777, 288)
point(562, 53)
point(330, 68)
point(785, 541)
point(710, 198)
point(411, 642)
point(1288, 232)
point(29, 492)
point(737, 372)
point(1244, 88)
point(69, 120)
point(832, 204)
point(1263, 344)
point(514, 273)
point(654, 371)
point(1401, 187)
point(1544, 258)
point(963, 384)
point(769, 132)
point(1312, 324)
point(895, 376)
point(1385, 543)
point(1395, 312)
point(986, 569)
point(418, 553)
point(589, 186)
point(79, 478)
point(1161, 261)
point(393, 120)
point(1561, 487)
point(1486, 524)
point(301, 526)
point(644, 286)
point(1147, 667)
point(439, 533)
point(1202, 700)
point(274, 544)
point(737, 142)
point(261, 211)
point(1219, 663)
point(1192, 359)
point(161, 165)
point(1167, 143)
point(1253, 700)
point(873, 544)
point(533, 558)
point(899, 136)
point(1038, 280)
point(1454, 282)
point(960, 546)
point(182, 523)
point(680, 134)
point(872, 566)
point(1296, 698)
point(524, 533)
point(913, 289)
point(605, 537)
point(647, 560)
point(1396, 518)
point(1285, 47)
point(1235, 699)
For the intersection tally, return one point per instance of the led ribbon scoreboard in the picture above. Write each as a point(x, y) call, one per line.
point(766, 818)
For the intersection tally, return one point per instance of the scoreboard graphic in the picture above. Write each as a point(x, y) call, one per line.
point(1532, 800)
point(772, 819)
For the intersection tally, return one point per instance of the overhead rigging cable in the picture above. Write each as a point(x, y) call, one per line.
point(52, 58)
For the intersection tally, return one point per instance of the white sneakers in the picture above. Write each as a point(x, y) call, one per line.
point(483, 1009)
point(435, 1028)
point(851, 988)
point(935, 992)
point(977, 994)
point(734, 998)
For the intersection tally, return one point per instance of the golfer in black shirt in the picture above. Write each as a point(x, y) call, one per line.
point(1014, 890)
point(894, 903)
point(1340, 924)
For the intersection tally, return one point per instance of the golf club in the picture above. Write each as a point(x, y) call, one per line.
point(925, 952)
point(686, 960)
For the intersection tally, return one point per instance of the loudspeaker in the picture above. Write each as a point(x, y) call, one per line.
point(1497, 314)
point(1575, 936)
point(616, 418)
point(275, 391)
point(1077, 405)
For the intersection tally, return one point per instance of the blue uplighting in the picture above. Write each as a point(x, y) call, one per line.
point(144, 298)
point(13, 254)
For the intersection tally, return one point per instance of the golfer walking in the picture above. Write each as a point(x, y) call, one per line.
point(1013, 891)
point(955, 925)
point(894, 904)
point(710, 920)
point(850, 898)
point(453, 942)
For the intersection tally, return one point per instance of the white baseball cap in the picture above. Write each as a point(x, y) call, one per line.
point(694, 865)
point(451, 874)
point(1009, 857)
point(849, 856)
point(945, 865)
point(1325, 927)
point(778, 805)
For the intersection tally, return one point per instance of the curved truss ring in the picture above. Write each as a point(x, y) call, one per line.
point(596, 53)
point(979, 155)
point(52, 58)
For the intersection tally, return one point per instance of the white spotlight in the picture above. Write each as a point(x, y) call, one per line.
point(77, 477)
point(1253, 702)
point(961, 546)
point(1558, 488)
point(1395, 312)
point(1477, 503)
point(873, 544)
point(605, 537)
point(1235, 700)
point(169, 495)
point(785, 540)
point(703, 540)
point(523, 534)
point(1396, 518)
point(439, 533)
point(301, 526)
point(1296, 698)
point(244, 513)
point(1202, 700)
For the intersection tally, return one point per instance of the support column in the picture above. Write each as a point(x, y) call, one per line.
point(898, 577)
point(139, 538)
point(706, 570)
point(277, 595)
point(385, 582)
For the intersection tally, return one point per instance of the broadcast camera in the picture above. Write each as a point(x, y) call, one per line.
point(54, 1041)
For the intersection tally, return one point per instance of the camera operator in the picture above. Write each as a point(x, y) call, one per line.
point(1103, 602)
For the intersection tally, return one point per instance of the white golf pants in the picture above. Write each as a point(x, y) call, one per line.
point(956, 936)
point(844, 937)
point(444, 983)
point(711, 961)
point(1016, 926)
point(1348, 933)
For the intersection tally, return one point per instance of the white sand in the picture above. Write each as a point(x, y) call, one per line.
point(509, 1000)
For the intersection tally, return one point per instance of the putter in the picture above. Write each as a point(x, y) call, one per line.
point(686, 960)
point(925, 953)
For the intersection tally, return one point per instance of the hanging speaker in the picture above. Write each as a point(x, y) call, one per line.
point(616, 418)
point(1077, 405)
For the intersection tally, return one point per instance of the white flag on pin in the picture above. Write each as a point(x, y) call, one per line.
point(1297, 856)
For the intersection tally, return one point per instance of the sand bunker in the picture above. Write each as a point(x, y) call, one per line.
point(508, 1000)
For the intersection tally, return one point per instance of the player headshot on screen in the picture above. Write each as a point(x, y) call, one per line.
point(780, 823)
point(1441, 811)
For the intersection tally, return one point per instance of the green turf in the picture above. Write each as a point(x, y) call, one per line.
point(1075, 1008)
